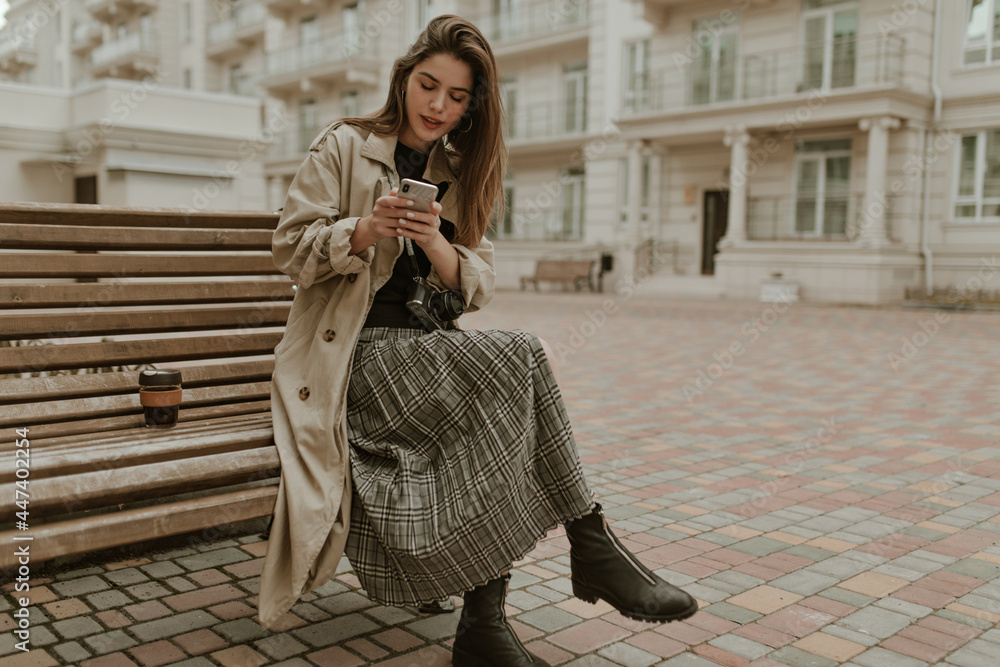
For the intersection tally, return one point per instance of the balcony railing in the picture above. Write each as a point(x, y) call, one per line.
point(86, 34)
point(17, 52)
point(328, 51)
point(136, 44)
point(107, 10)
point(244, 17)
point(531, 20)
point(547, 120)
point(841, 217)
point(843, 64)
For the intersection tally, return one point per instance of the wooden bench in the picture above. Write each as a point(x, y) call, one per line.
point(576, 272)
point(88, 296)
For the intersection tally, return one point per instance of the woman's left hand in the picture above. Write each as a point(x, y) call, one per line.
point(423, 228)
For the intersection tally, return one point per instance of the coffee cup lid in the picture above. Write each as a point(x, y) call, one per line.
point(159, 377)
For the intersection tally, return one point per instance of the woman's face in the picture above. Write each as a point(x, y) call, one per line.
point(438, 92)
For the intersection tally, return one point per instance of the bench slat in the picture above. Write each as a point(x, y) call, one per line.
point(37, 414)
point(119, 265)
point(127, 216)
point(145, 294)
point(129, 353)
point(124, 422)
point(104, 322)
point(130, 526)
point(88, 490)
point(57, 387)
point(77, 237)
point(143, 446)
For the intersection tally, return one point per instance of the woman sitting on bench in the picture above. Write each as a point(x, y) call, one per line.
point(434, 459)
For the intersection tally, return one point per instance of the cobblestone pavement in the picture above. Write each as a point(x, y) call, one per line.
point(826, 481)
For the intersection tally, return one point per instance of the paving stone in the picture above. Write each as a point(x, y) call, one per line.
point(108, 600)
point(80, 586)
point(215, 558)
point(741, 646)
point(549, 619)
point(335, 630)
point(805, 582)
point(109, 642)
point(71, 652)
point(162, 570)
point(789, 655)
point(880, 623)
point(880, 657)
point(173, 625)
point(246, 630)
point(624, 654)
point(72, 628)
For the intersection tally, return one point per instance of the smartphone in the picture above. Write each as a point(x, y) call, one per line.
point(421, 194)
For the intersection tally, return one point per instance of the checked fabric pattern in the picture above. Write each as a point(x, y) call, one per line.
point(462, 457)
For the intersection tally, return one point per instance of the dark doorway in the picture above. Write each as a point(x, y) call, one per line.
point(86, 190)
point(716, 219)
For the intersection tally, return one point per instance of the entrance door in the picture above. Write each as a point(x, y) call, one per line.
point(716, 216)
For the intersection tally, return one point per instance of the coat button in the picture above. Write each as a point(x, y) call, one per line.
point(329, 335)
point(304, 393)
point(352, 277)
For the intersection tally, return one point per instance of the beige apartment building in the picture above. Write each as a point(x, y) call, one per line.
point(843, 149)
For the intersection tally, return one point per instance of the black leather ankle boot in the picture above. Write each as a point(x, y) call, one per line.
point(604, 569)
point(484, 639)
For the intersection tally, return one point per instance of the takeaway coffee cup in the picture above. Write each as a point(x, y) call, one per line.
point(160, 396)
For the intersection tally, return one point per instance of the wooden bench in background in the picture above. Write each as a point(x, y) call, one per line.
point(566, 271)
point(88, 288)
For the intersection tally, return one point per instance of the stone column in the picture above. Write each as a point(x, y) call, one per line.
point(737, 138)
point(634, 193)
point(872, 231)
point(275, 192)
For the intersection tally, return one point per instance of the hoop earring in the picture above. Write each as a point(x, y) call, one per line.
point(461, 131)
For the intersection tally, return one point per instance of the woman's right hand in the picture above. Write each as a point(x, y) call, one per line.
point(383, 222)
point(385, 217)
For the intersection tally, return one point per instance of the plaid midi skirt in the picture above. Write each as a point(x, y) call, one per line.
point(462, 457)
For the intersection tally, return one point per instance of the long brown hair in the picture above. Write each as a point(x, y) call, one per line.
point(482, 149)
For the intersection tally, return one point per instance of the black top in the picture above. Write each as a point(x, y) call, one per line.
point(389, 307)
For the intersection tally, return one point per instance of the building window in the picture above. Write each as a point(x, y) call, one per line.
point(350, 104)
point(977, 195)
point(623, 192)
point(509, 87)
point(575, 92)
point(505, 228)
point(236, 80)
point(637, 75)
point(423, 14)
point(571, 214)
point(822, 188)
point(308, 123)
point(829, 38)
point(713, 69)
point(982, 32)
point(186, 23)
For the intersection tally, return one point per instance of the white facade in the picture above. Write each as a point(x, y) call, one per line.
point(851, 146)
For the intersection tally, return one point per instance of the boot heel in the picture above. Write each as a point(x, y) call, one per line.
point(584, 593)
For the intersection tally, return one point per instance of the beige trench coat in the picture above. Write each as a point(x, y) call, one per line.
point(337, 184)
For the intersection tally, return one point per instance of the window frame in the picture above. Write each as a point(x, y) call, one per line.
point(991, 44)
point(978, 198)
